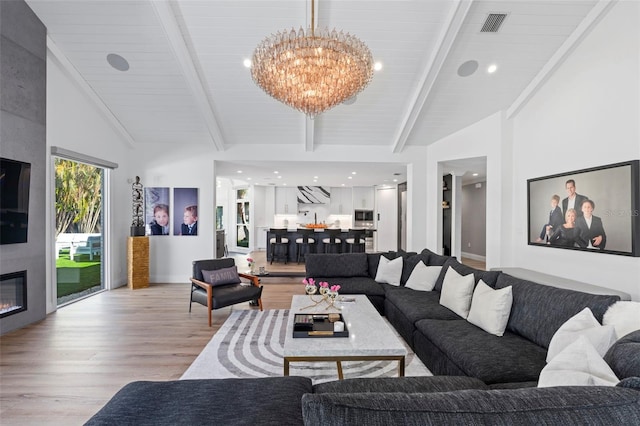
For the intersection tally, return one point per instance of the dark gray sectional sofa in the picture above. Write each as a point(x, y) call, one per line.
point(479, 379)
point(446, 343)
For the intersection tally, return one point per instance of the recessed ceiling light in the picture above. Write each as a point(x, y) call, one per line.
point(349, 177)
point(315, 177)
point(247, 63)
point(377, 66)
point(284, 184)
point(315, 180)
point(248, 178)
point(395, 180)
point(276, 172)
point(117, 62)
point(279, 177)
point(343, 184)
point(475, 174)
point(353, 173)
point(239, 171)
point(492, 68)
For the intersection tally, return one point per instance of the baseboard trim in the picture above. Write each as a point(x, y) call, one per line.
point(474, 256)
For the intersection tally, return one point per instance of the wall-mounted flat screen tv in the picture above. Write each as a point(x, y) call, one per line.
point(15, 177)
point(595, 210)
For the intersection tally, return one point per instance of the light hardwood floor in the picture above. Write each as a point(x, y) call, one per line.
point(63, 369)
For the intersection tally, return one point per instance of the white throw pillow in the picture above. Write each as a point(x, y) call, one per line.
point(389, 271)
point(582, 324)
point(490, 308)
point(624, 317)
point(423, 277)
point(456, 292)
point(579, 364)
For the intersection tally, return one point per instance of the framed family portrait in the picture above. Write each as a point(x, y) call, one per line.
point(595, 210)
point(185, 216)
point(157, 210)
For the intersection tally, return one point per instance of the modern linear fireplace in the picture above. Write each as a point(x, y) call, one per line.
point(13, 293)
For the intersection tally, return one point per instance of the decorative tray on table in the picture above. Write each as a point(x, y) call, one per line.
point(318, 325)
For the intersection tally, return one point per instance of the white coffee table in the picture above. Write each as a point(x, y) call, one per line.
point(370, 336)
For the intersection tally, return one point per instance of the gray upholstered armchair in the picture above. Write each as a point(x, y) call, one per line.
point(216, 283)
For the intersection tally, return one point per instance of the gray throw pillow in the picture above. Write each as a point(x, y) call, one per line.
point(222, 276)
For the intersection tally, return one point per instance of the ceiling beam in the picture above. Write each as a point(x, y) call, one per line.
point(72, 72)
point(427, 80)
point(199, 90)
point(581, 31)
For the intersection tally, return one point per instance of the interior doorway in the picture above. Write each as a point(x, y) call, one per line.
point(79, 229)
point(386, 218)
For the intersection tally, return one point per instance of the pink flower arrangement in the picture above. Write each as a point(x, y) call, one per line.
point(324, 284)
point(335, 288)
point(309, 281)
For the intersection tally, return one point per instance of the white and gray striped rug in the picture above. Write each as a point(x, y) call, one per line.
point(250, 343)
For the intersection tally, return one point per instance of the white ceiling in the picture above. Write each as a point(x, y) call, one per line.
point(187, 83)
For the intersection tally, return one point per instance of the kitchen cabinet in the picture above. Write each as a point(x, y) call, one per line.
point(363, 197)
point(341, 201)
point(286, 200)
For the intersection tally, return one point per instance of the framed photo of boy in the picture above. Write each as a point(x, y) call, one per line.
point(185, 215)
point(156, 210)
point(595, 210)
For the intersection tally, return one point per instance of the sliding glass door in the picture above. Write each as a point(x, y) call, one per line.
point(79, 190)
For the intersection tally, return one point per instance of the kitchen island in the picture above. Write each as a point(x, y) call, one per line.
point(318, 236)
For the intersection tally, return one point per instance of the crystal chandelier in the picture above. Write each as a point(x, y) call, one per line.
point(312, 71)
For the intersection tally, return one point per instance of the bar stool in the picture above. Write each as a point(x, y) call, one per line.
point(305, 242)
point(356, 240)
point(331, 242)
point(279, 241)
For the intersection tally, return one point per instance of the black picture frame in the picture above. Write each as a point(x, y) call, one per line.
point(614, 189)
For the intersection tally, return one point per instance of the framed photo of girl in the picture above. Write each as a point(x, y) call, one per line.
point(595, 210)
point(185, 215)
point(156, 210)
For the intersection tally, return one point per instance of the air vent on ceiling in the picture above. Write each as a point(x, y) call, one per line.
point(493, 22)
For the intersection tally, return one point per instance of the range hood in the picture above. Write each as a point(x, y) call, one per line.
point(313, 195)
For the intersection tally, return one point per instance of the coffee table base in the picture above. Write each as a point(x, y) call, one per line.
point(339, 359)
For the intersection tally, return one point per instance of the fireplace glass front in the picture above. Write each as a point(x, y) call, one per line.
point(13, 293)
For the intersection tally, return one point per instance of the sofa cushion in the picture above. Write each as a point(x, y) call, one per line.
point(529, 406)
point(490, 308)
point(423, 277)
point(336, 265)
point(355, 285)
point(410, 263)
point(401, 384)
point(374, 259)
point(417, 305)
point(211, 401)
point(579, 364)
point(539, 325)
point(222, 276)
point(582, 324)
point(457, 291)
point(436, 259)
point(489, 277)
point(624, 356)
point(624, 316)
point(389, 271)
point(490, 358)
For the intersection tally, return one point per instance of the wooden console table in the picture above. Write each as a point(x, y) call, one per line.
point(138, 262)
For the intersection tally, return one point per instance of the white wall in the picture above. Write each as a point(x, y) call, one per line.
point(482, 139)
point(169, 166)
point(74, 123)
point(586, 115)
